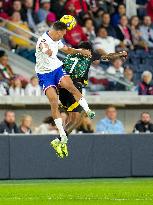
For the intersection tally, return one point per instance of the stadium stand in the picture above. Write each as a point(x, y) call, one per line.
point(21, 25)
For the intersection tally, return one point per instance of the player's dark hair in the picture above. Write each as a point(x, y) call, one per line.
point(59, 26)
point(85, 45)
point(2, 53)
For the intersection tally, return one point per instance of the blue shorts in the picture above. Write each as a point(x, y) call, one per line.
point(51, 79)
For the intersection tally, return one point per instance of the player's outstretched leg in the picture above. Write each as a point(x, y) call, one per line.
point(67, 83)
point(61, 142)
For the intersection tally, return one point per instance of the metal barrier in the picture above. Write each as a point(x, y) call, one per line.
point(30, 156)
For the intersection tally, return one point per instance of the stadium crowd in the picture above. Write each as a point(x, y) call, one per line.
point(9, 125)
point(111, 25)
point(110, 124)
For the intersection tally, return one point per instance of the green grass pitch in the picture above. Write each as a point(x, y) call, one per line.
point(77, 192)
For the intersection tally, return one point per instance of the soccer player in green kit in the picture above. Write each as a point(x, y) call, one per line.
point(77, 66)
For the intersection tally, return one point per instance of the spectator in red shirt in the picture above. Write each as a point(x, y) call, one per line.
point(74, 7)
point(150, 9)
point(7, 4)
point(3, 14)
point(75, 36)
point(16, 6)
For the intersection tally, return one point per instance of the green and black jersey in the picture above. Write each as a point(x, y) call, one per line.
point(77, 66)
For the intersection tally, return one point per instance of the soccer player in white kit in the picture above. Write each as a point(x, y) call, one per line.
point(51, 75)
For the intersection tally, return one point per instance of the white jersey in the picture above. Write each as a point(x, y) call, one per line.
point(45, 63)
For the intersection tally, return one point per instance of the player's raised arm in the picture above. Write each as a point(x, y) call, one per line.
point(111, 56)
point(69, 50)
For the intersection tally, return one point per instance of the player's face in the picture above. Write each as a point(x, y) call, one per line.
point(60, 34)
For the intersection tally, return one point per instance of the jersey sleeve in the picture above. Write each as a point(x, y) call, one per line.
point(60, 45)
point(95, 56)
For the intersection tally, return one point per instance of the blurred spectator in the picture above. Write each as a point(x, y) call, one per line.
point(16, 7)
point(6, 72)
point(121, 10)
point(33, 88)
point(46, 24)
point(44, 10)
point(106, 24)
point(7, 4)
point(3, 88)
point(3, 14)
point(144, 125)
point(123, 33)
point(128, 78)
point(29, 15)
point(19, 28)
point(147, 31)
point(131, 8)
point(110, 124)
point(145, 87)
point(74, 7)
point(116, 70)
point(75, 36)
point(97, 81)
point(16, 88)
point(47, 127)
point(104, 43)
point(98, 18)
point(89, 29)
point(136, 34)
point(116, 67)
point(150, 9)
point(86, 126)
point(59, 6)
point(25, 126)
point(9, 125)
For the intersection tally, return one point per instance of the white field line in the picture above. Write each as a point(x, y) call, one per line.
point(71, 197)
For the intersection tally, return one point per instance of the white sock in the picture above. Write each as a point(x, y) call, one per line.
point(59, 125)
point(84, 104)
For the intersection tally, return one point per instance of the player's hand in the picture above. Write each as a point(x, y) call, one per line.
point(111, 56)
point(85, 53)
point(123, 54)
